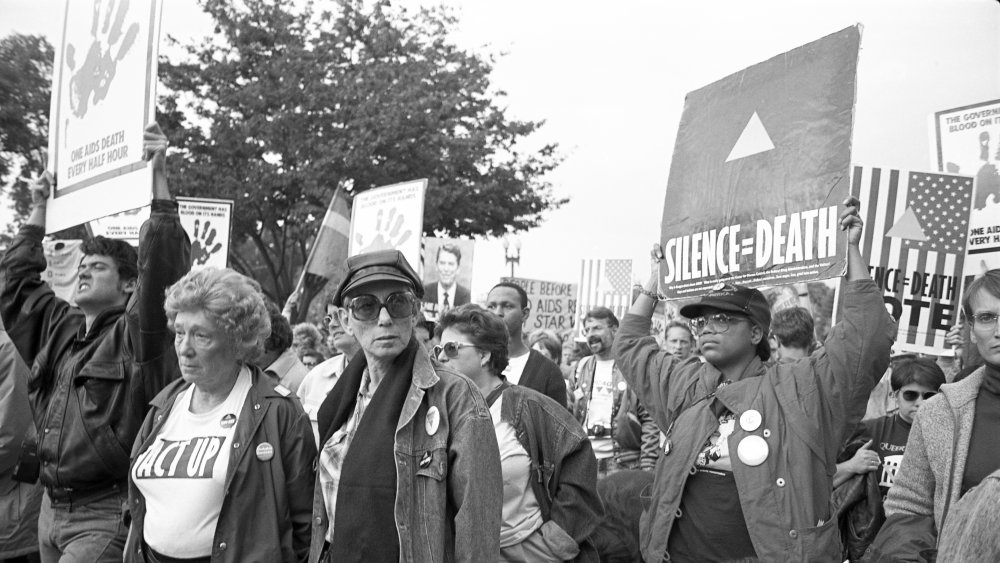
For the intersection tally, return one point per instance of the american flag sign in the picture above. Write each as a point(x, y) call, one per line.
point(606, 283)
point(914, 240)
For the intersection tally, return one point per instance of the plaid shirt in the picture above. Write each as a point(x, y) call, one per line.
point(331, 457)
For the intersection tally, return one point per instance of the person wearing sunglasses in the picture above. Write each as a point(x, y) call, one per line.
point(409, 468)
point(746, 469)
point(952, 445)
point(550, 502)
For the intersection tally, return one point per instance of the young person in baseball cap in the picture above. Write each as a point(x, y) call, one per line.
point(746, 468)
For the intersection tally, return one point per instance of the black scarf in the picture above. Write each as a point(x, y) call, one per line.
point(365, 526)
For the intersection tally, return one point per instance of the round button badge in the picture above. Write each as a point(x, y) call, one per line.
point(228, 421)
point(752, 450)
point(265, 451)
point(750, 420)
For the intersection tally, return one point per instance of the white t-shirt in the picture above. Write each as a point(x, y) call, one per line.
point(182, 474)
point(602, 399)
point(515, 368)
point(521, 513)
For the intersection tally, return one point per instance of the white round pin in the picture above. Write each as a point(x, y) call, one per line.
point(265, 451)
point(750, 420)
point(752, 450)
point(228, 421)
point(622, 386)
point(432, 421)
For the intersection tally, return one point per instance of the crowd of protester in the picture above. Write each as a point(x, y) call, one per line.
point(177, 416)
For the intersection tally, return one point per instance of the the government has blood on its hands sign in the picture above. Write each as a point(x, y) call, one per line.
point(760, 167)
point(103, 95)
point(390, 217)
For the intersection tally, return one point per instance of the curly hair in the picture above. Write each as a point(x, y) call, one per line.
point(231, 300)
point(281, 332)
point(124, 255)
point(486, 330)
point(309, 332)
point(550, 341)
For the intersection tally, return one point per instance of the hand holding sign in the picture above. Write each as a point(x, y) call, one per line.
point(154, 150)
point(851, 222)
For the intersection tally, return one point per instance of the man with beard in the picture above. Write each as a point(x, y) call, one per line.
point(446, 292)
point(621, 431)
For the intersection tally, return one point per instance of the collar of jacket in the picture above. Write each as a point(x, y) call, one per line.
point(424, 377)
point(104, 319)
point(738, 395)
point(958, 394)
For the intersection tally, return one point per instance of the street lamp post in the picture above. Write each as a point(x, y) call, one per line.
point(512, 252)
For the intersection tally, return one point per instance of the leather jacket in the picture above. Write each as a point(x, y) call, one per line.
point(563, 470)
point(89, 389)
point(267, 508)
point(450, 508)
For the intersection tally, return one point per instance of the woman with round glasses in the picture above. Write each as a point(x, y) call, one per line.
point(953, 440)
point(550, 502)
point(746, 468)
point(222, 468)
point(408, 467)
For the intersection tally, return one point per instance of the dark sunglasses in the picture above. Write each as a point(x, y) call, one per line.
point(912, 395)
point(368, 307)
point(451, 348)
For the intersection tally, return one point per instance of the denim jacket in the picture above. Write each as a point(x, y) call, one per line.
point(563, 470)
point(450, 509)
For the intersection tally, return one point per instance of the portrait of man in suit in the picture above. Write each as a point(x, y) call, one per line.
point(446, 292)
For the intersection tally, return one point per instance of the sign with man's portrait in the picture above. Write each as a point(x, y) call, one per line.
point(447, 274)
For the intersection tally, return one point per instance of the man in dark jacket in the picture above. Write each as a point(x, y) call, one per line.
point(526, 367)
point(94, 367)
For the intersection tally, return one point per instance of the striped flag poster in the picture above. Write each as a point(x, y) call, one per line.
point(916, 227)
point(605, 283)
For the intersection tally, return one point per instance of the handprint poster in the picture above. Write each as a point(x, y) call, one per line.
point(389, 217)
point(103, 94)
point(208, 223)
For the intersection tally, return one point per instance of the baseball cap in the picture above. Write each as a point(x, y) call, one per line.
point(734, 299)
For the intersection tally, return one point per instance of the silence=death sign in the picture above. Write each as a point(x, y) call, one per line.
point(553, 304)
point(760, 167)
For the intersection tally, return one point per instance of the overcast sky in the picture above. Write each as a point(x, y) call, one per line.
point(609, 79)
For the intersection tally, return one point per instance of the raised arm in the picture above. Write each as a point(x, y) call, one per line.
point(164, 257)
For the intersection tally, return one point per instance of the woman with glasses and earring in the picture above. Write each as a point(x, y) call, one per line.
point(952, 445)
point(408, 465)
point(746, 468)
point(550, 502)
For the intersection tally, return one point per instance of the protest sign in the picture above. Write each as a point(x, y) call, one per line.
point(968, 142)
point(447, 274)
point(62, 260)
point(389, 217)
point(208, 223)
point(553, 304)
point(914, 242)
point(103, 95)
point(760, 165)
point(605, 283)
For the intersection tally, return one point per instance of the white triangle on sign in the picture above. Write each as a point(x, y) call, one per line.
point(907, 227)
point(753, 140)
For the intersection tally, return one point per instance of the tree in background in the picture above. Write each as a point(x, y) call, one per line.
point(25, 89)
point(283, 104)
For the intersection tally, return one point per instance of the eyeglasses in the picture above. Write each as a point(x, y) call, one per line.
point(367, 307)
point(984, 321)
point(718, 323)
point(451, 348)
point(912, 395)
